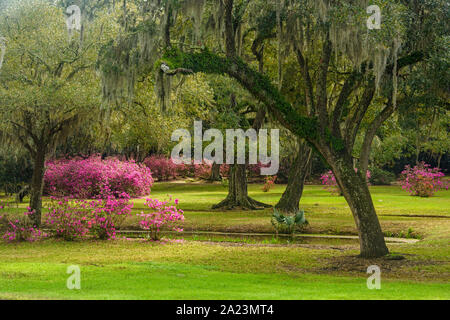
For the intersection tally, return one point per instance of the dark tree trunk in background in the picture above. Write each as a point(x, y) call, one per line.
point(37, 185)
point(289, 202)
point(237, 191)
point(356, 192)
point(215, 172)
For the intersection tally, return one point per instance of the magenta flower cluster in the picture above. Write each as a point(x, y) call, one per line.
point(165, 169)
point(87, 178)
point(329, 181)
point(74, 218)
point(422, 180)
point(162, 214)
point(19, 229)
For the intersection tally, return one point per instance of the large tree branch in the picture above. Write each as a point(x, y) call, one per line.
point(309, 91)
point(322, 99)
point(405, 61)
point(346, 91)
point(27, 130)
point(169, 72)
point(371, 132)
point(258, 48)
point(358, 115)
point(256, 83)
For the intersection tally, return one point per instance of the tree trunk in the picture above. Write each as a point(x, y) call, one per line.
point(215, 172)
point(356, 192)
point(37, 185)
point(237, 191)
point(289, 202)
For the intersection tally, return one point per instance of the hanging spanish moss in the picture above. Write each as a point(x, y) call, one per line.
point(280, 39)
point(135, 48)
point(396, 49)
point(352, 40)
point(194, 10)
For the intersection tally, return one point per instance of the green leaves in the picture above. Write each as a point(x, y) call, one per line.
point(288, 223)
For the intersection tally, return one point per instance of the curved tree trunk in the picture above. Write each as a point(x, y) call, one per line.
point(356, 192)
point(290, 199)
point(237, 191)
point(37, 185)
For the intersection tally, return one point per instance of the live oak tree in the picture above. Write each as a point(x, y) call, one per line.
point(48, 84)
point(335, 114)
point(343, 65)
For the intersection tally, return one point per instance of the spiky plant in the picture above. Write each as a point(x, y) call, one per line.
point(288, 223)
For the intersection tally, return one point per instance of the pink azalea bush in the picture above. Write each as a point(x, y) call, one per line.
point(68, 218)
point(162, 214)
point(422, 180)
point(202, 171)
point(329, 181)
point(86, 178)
point(108, 214)
point(269, 183)
point(164, 169)
point(74, 218)
point(19, 229)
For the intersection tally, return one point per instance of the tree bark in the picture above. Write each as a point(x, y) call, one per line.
point(370, 135)
point(37, 185)
point(356, 192)
point(215, 172)
point(238, 192)
point(289, 202)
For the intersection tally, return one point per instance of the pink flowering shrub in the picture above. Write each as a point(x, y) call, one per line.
point(68, 218)
point(109, 214)
point(72, 218)
point(162, 214)
point(162, 168)
point(165, 169)
point(202, 171)
point(225, 170)
point(3, 205)
point(193, 170)
point(422, 180)
point(269, 183)
point(329, 182)
point(19, 229)
point(86, 178)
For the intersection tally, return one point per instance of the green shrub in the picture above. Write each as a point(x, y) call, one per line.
point(381, 177)
point(287, 224)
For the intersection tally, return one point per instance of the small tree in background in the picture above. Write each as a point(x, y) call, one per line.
point(48, 84)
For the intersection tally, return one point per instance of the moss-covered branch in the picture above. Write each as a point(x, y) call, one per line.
point(257, 84)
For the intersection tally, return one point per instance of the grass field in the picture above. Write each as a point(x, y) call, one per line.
point(211, 267)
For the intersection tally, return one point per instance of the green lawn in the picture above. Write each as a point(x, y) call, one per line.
point(136, 270)
point(220, 268)
point(326, 213)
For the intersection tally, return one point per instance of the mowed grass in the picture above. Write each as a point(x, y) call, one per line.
point(140, 270)
point(400, 214)
point(211, 269)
